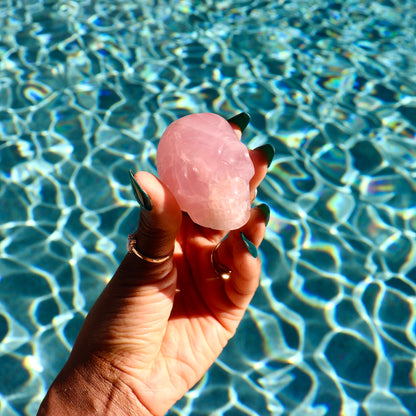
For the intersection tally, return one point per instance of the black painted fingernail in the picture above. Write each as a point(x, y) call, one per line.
point(268, 151)
point(241, 120)
point(250, 246)
point(266, 212)
point(141, 196)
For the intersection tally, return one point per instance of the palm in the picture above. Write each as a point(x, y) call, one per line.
point(201, 294)
point(201, 321)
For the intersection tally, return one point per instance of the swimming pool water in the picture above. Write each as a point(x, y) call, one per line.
point(86, 89)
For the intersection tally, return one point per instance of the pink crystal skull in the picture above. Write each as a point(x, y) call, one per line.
point(208, 170)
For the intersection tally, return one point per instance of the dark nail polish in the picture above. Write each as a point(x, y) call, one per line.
point(268, 151)
point(250, 246)
point(241, 120)
point(266, 212)
point(141, 196)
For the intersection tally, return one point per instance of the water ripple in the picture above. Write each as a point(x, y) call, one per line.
point(87, 88)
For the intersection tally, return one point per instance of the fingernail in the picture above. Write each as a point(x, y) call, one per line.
point(250, 246)
point(241, 120)
point(268, 151)
point(141, 196)
point(266, 211)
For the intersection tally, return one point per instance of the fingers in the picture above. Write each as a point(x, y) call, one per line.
point(239, 252)
point(159, 223)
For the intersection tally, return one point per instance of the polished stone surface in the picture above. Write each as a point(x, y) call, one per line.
point(208, 170)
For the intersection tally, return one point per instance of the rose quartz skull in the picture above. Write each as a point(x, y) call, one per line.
point(208, 170)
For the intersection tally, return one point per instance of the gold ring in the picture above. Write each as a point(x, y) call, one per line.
point(220, 269)
point(131, 248)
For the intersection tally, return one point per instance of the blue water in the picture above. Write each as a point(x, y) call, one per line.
point(86, 90)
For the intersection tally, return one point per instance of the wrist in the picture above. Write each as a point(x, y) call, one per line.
point(93, 388)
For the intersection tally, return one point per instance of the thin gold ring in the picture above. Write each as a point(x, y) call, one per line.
point(131, 248)
point(220, 269)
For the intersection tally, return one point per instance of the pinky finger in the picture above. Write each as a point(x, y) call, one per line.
point(244, 279)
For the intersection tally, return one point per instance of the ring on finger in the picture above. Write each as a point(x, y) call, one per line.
point(220, 269)
point(131, 248)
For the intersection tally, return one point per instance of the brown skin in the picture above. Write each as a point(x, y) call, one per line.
point(157, 328)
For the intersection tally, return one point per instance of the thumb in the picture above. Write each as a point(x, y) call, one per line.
point(160, 219)
point(133, 305)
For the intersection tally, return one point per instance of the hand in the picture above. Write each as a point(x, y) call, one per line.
point(157, 328)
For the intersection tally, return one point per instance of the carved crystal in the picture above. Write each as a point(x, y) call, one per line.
point(208, 170)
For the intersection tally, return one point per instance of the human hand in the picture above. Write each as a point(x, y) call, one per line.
point(157, 328)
